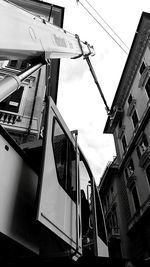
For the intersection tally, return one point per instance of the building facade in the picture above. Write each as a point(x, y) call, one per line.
point(129, 122)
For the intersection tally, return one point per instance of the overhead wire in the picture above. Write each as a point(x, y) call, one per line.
point(78, 1)
point(106, 23)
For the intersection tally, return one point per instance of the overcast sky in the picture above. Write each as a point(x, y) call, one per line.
point(79, 101)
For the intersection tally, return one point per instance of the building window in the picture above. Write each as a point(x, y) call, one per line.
point(114, 218)
point(148, 173)
point(120, 124)
point(129, 170)
point(130, 174)
point(112, 193)
point(124, 142)
point(142, 68)
point(131, 105)
point(130, 99)
point(147, 87)
point(142, 146)
point(104, 206)
point(108, 224)
point(12, 102)
point(24, 64)
point(135, 119)
point(135, 198)
point(13, 64)
point(107, 201)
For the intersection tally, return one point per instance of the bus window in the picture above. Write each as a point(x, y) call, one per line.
point(65, 160)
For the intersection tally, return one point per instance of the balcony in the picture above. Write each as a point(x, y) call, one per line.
point(10, 118)
point(145, 158)
point(131, 107)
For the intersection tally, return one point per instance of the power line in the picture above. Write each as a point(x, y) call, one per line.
point(78, 1)
point(107, 24)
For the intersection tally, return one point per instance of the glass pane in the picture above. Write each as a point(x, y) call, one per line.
point(65, 160)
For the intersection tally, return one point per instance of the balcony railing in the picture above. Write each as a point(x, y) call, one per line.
point(10, 118)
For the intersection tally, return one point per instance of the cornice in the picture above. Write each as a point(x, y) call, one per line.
point(140, 42)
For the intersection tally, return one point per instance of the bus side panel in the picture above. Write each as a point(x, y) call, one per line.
point(18, 185)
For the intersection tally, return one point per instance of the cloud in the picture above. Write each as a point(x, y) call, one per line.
point(73, 69)
point(98, 148)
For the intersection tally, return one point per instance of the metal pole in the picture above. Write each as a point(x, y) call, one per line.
point(29, 71)
point(12, 82)
point(97, 83)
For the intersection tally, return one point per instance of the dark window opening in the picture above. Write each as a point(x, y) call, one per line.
point(135, 119)
point(13, 63)
point(114, 218)
point(24, 65)
point(135, 198)
point(124, 143)
point(12, 102)
point(129, 170)
point(142, 68)
point(120, 124)
point(130, 99)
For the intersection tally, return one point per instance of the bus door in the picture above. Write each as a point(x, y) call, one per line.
point(58, 197)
